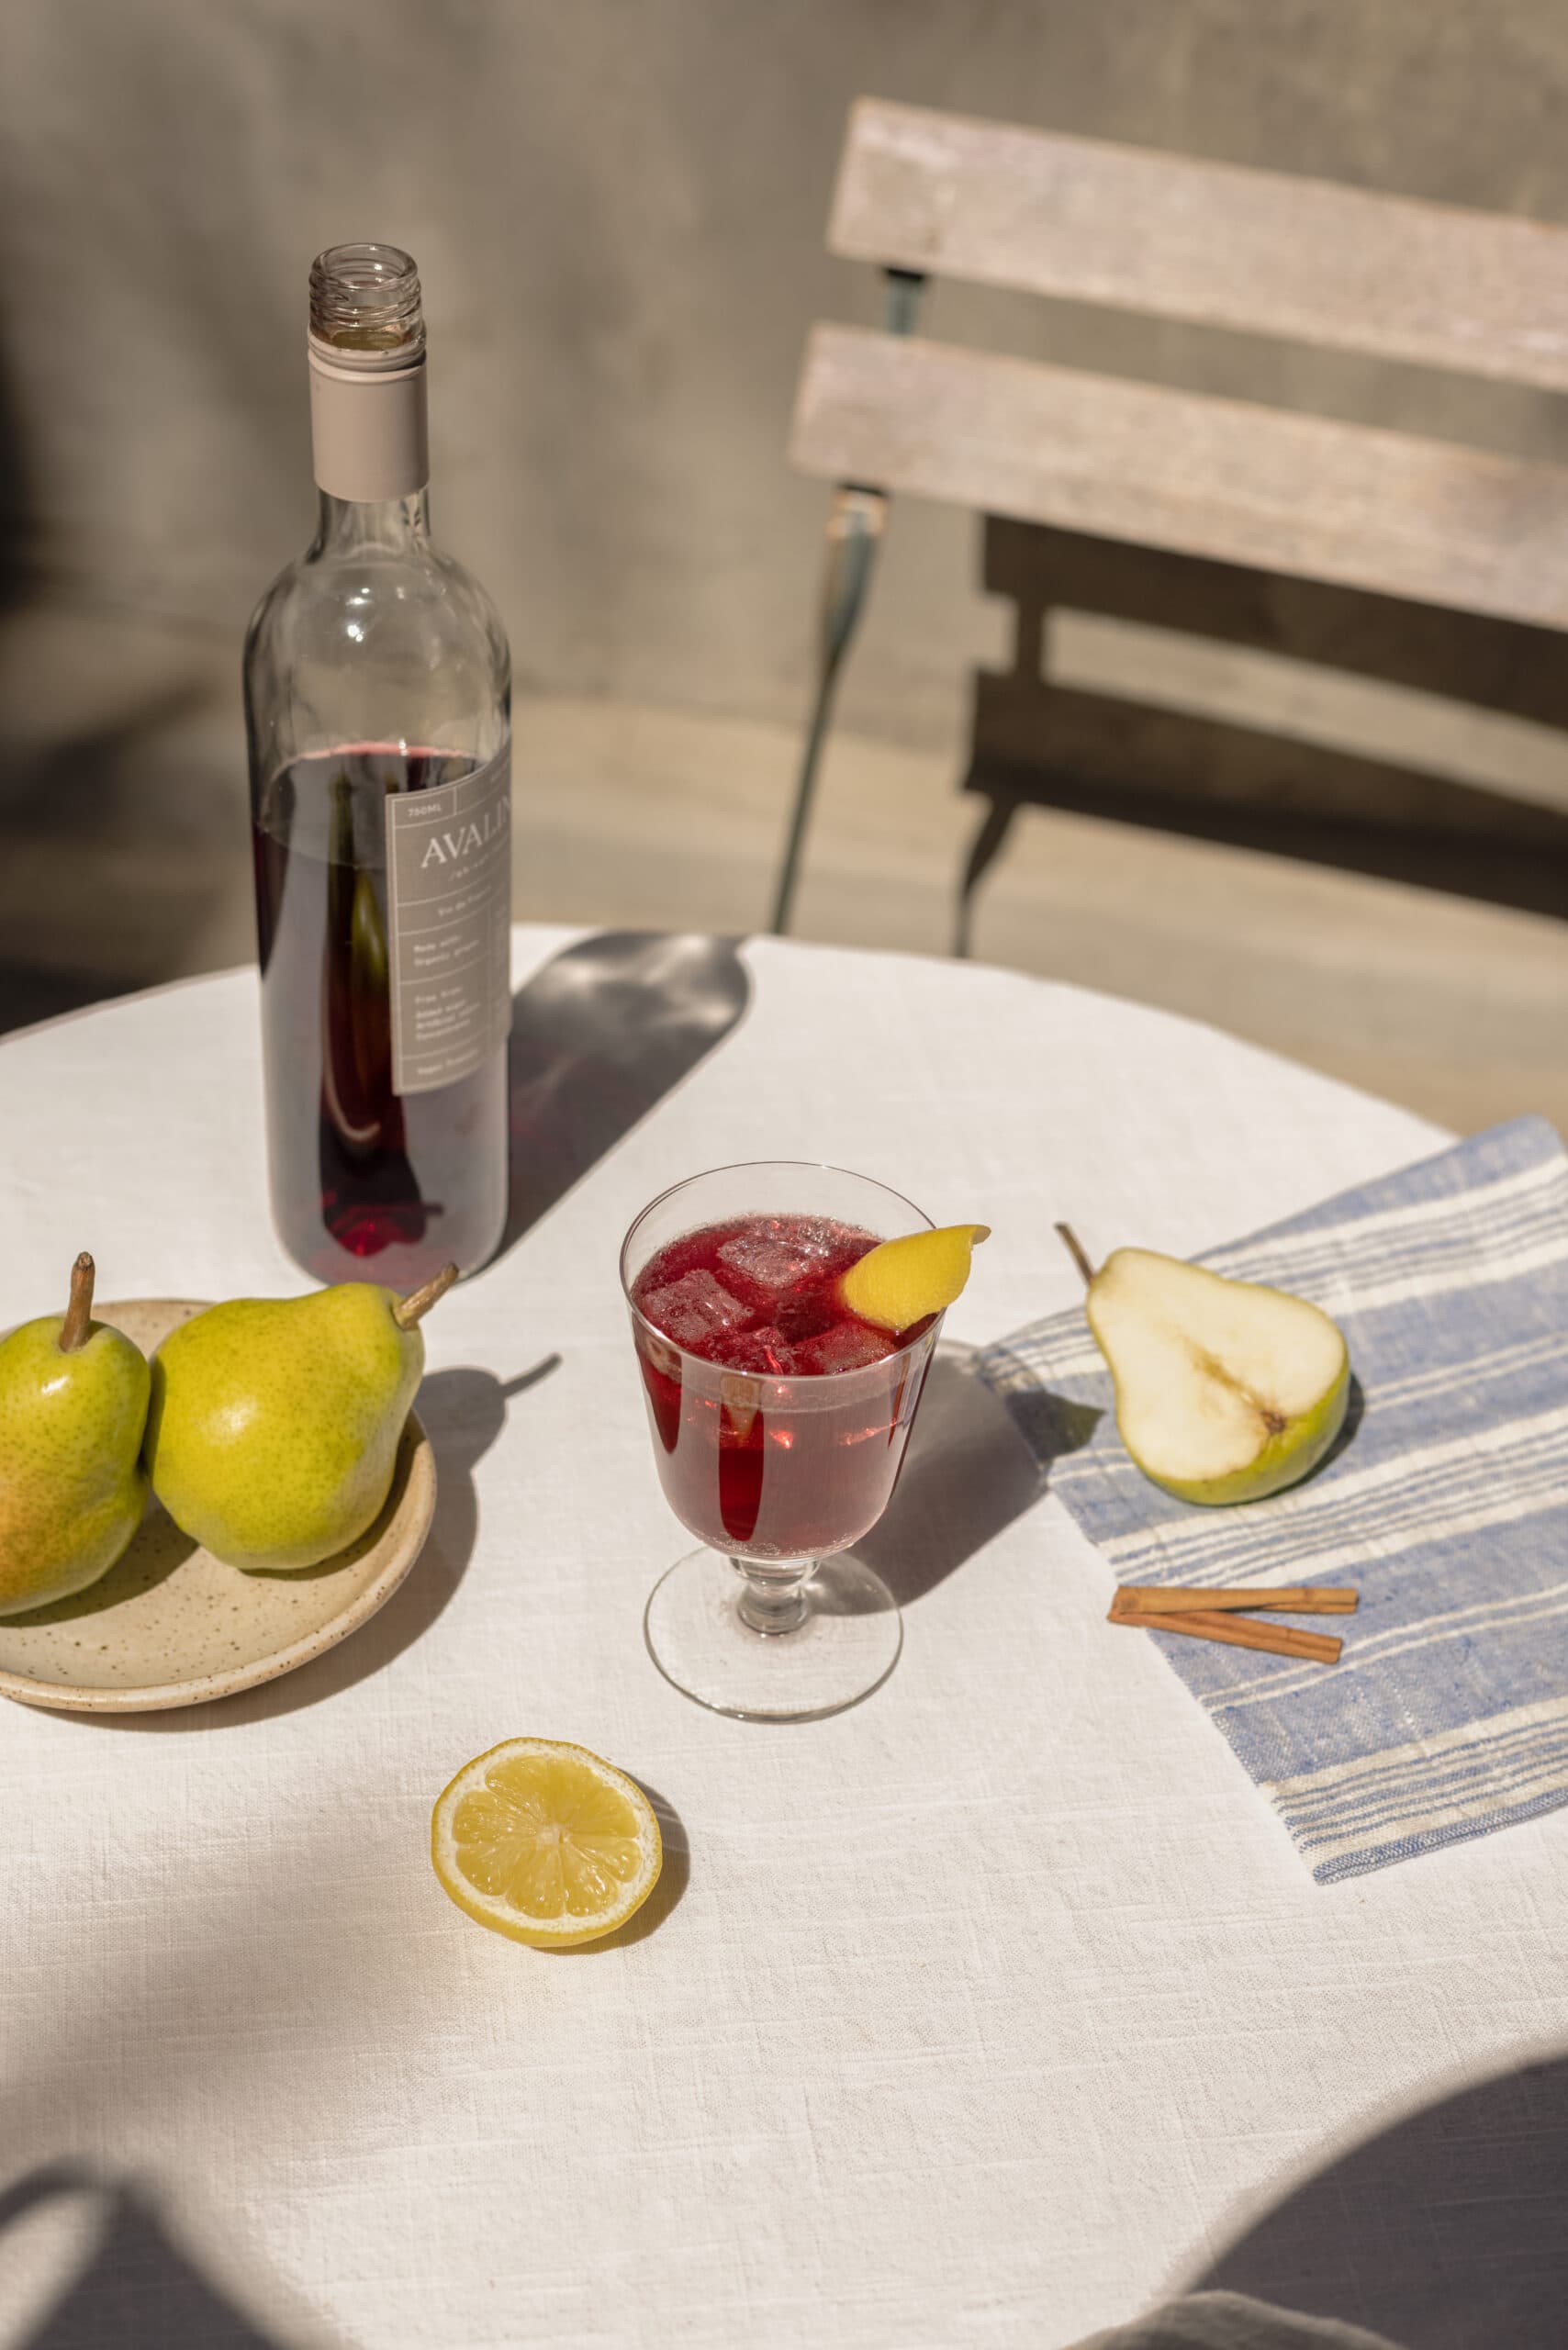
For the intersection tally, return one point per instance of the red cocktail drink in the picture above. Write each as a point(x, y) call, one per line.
point(779, 1420)
point(785, 1454)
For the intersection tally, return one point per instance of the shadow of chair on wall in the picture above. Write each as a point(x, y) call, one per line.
point(1241, 706)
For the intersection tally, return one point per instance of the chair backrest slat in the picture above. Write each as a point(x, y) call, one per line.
point(1221, 479)
point(1258, 251)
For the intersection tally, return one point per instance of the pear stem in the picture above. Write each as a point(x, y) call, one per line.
point(78, 1322)
point(412, 1308)
point(1076, 1250)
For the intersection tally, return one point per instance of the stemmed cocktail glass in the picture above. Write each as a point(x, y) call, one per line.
point(779, 1423)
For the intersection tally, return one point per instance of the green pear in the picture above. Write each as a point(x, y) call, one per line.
point(72, 1407)
point(272, 1434)
point(1226, 1390)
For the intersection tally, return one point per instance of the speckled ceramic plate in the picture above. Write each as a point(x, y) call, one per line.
point(169, 1625)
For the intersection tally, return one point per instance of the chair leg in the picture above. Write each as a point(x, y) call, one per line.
point(854, 533)
point(995, 825)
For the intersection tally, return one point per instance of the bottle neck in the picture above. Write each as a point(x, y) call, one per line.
point(346, 524)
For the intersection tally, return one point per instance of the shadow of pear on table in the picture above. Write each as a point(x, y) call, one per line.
point(463, 1410)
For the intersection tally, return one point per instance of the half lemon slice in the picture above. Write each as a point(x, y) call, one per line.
point(545, 1843)
point(900, 1283)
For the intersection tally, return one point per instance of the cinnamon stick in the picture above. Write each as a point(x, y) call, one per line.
point(1239, 1632)
point(1179, 1599)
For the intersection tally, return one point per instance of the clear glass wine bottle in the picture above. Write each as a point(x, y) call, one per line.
point(377, 697)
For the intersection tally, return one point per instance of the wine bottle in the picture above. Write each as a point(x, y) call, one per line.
point(378, 698)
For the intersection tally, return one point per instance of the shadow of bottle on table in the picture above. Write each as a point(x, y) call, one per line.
point(966, 1474)
point(138, 2288)
point(1443, 2232)
point(599, 1036)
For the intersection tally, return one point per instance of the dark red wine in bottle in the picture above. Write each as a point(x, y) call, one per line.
point(377, 690)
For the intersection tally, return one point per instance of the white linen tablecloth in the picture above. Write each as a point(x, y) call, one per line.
point(987, 2010)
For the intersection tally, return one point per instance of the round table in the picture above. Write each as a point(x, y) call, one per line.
point(983, 2013)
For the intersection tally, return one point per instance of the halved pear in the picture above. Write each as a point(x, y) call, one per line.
point(1226, 1390)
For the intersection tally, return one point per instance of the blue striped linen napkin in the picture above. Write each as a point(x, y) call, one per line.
point(1447, 1715)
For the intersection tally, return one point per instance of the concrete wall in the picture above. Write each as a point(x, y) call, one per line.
point(618, 207)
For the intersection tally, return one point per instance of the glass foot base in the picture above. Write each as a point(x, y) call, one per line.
point(846, 1646)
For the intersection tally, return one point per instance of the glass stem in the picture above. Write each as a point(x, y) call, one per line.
point(773, 1599)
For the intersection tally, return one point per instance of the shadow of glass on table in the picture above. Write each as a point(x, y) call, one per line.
point(1445, 2232)
point(136, 2287)
point(600, 1035)
point(968, 1474)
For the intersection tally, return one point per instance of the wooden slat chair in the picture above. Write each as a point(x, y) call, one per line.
point(1414, 560)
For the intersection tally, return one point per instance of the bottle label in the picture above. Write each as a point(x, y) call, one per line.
point(449, 899)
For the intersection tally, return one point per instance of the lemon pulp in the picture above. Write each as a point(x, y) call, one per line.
point(545, 1842)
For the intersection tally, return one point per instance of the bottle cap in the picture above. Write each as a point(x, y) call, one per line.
point(367, 373)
